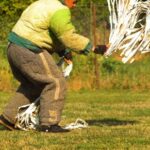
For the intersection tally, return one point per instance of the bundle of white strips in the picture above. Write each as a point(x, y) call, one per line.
point(130, 28)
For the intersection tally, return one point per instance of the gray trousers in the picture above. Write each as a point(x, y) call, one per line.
point(39, 76)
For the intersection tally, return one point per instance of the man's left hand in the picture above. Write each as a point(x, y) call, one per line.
point(100, 49)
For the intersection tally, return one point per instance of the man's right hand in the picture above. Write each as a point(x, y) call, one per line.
point(68, 57)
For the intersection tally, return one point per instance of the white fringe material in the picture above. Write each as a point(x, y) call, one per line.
point(78, 124)
point(27, 117)
point(130, 28)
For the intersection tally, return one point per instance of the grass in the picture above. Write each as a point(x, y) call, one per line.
point(118, 120)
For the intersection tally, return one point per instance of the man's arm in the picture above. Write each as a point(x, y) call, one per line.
point(63, 28)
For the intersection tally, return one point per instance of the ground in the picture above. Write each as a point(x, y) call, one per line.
point(118, 120)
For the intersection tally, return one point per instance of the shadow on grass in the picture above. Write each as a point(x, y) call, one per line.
point(110, 122)
point(3, 128)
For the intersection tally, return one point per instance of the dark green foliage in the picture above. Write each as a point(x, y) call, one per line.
point(10, 12)
point(110, 65)
point(13, 7)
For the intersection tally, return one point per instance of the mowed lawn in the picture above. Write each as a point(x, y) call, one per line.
point(118, 120)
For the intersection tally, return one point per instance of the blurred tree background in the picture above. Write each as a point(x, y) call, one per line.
point(88, 71)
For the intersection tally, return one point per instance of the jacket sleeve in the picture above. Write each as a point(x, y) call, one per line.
point(62, 27)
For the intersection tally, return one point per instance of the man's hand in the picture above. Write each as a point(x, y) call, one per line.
point(68, 55)
point(67, 58)
point(100, 49)
point(68, 61)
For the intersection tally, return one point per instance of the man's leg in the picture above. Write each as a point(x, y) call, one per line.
point(52, 96)
point(41, 70)
point(26, 93)
point(21, 97)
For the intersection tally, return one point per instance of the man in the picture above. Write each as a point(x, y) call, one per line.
point(44, 28)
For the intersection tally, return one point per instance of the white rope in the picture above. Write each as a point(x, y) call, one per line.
point(130, 28)
point(27, 117)
point(78, 124)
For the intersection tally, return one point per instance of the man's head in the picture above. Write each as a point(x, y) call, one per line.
point(71, 3)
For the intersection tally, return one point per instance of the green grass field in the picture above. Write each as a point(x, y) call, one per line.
point(118, 120)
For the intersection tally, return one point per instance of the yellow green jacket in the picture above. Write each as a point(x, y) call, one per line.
point(46, 24)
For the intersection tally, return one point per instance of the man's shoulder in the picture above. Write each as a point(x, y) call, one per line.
point(53, 3)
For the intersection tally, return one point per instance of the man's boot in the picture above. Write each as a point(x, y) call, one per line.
point(5, 123)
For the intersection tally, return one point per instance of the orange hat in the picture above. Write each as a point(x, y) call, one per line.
point(70, 3)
